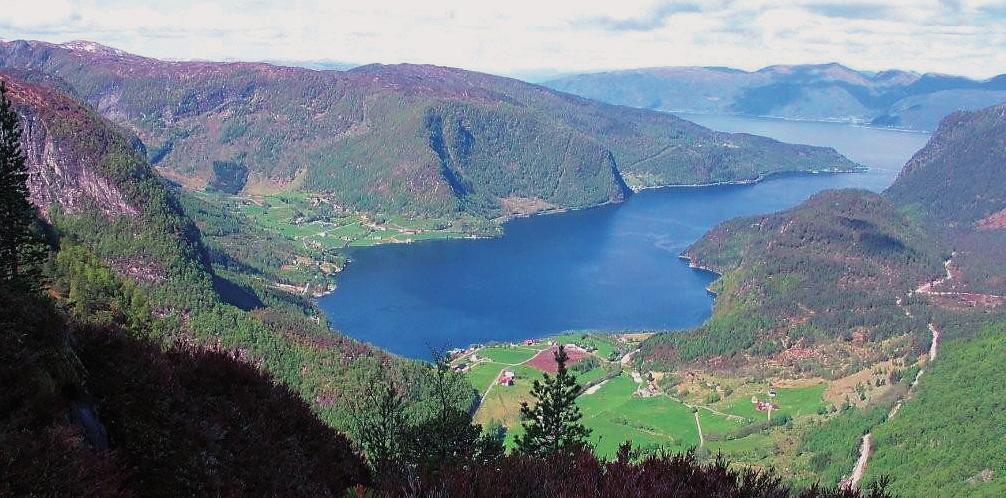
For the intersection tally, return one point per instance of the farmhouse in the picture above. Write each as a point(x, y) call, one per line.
point(506, 378)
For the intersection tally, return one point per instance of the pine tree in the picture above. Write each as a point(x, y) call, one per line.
point(553, 425)
point(18, 247)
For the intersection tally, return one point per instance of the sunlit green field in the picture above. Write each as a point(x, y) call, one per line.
point(508, 354)
point(615, 414)
point(320, 226)
point(795, 401)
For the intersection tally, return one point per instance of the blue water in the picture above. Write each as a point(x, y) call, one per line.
point(612, 268)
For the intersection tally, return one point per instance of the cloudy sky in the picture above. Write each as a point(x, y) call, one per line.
point(534, 37)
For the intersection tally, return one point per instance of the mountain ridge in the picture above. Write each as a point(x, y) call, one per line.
point(417, 139)
point(824, 92)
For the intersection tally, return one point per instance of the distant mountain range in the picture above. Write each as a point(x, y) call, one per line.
point(401, 139)
point(824, 92)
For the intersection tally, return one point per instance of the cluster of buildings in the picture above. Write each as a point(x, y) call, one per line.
point(506, 378)
point(765, 405)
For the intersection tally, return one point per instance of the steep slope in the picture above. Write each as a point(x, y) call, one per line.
point(957, 178)
point(947, 441)
point(858, 266)
point(813, 289)
point(91, 412)
point(412, 139)
point(91, 181)
point(98, 409)
point(141, 262)
point(957, 185)
point(824, 92)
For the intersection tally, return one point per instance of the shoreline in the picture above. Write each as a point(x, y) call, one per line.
point(760, 178)
point(847, 121)
point(695, 266)
point(503, 220)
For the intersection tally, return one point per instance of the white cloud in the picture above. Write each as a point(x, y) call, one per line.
point(954, 36)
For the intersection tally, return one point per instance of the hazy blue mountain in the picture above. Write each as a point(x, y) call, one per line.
point(820, 92)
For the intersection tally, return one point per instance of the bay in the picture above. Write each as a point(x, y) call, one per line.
point(611, 268)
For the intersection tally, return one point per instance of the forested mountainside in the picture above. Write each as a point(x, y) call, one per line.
point(854, 265)
point(116, 387)
point(947, 441)
point(408, 139)
point(827, 92)
point(140, 261)
point(957, 178)
point(91, 411)
point(813, 288)
point(872, 291)
point(957, 184)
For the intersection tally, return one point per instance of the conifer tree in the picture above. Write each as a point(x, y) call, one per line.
point(18, 250)
point(553, 425)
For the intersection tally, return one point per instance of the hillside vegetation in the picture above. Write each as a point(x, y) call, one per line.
point(854, 266)
point(948, 441)
point(418, 140)
point(864, 290)
point(142, 263)
point(813, 288)
point(956, 185)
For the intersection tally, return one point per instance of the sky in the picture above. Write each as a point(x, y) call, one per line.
point(535, 39)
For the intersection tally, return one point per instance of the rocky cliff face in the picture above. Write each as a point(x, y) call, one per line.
point(66, 145)
point(88, 177)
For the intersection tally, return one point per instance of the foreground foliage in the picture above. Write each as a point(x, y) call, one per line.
point(584, 475)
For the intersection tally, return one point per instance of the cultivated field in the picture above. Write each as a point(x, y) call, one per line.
point(623, 406)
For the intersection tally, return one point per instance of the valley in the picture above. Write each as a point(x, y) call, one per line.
point(714, 415)
point(463, 292)
point(230, 278)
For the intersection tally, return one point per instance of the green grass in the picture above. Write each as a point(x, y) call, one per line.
point(605, 344)
point(482, 375)
point(755, 447)
point(507, 354)
point(794, 401)
point(615, 416)
point(590, 375)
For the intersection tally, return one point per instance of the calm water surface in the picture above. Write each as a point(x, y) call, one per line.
point(611, 268)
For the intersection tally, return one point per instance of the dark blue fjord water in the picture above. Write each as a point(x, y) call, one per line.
point(612, 268)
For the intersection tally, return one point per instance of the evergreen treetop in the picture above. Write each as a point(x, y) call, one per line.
point(553, 424)
point(17, 240)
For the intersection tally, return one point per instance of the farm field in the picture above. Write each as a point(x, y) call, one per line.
point(320, 226)
point(615, 412)
point(792, 401)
